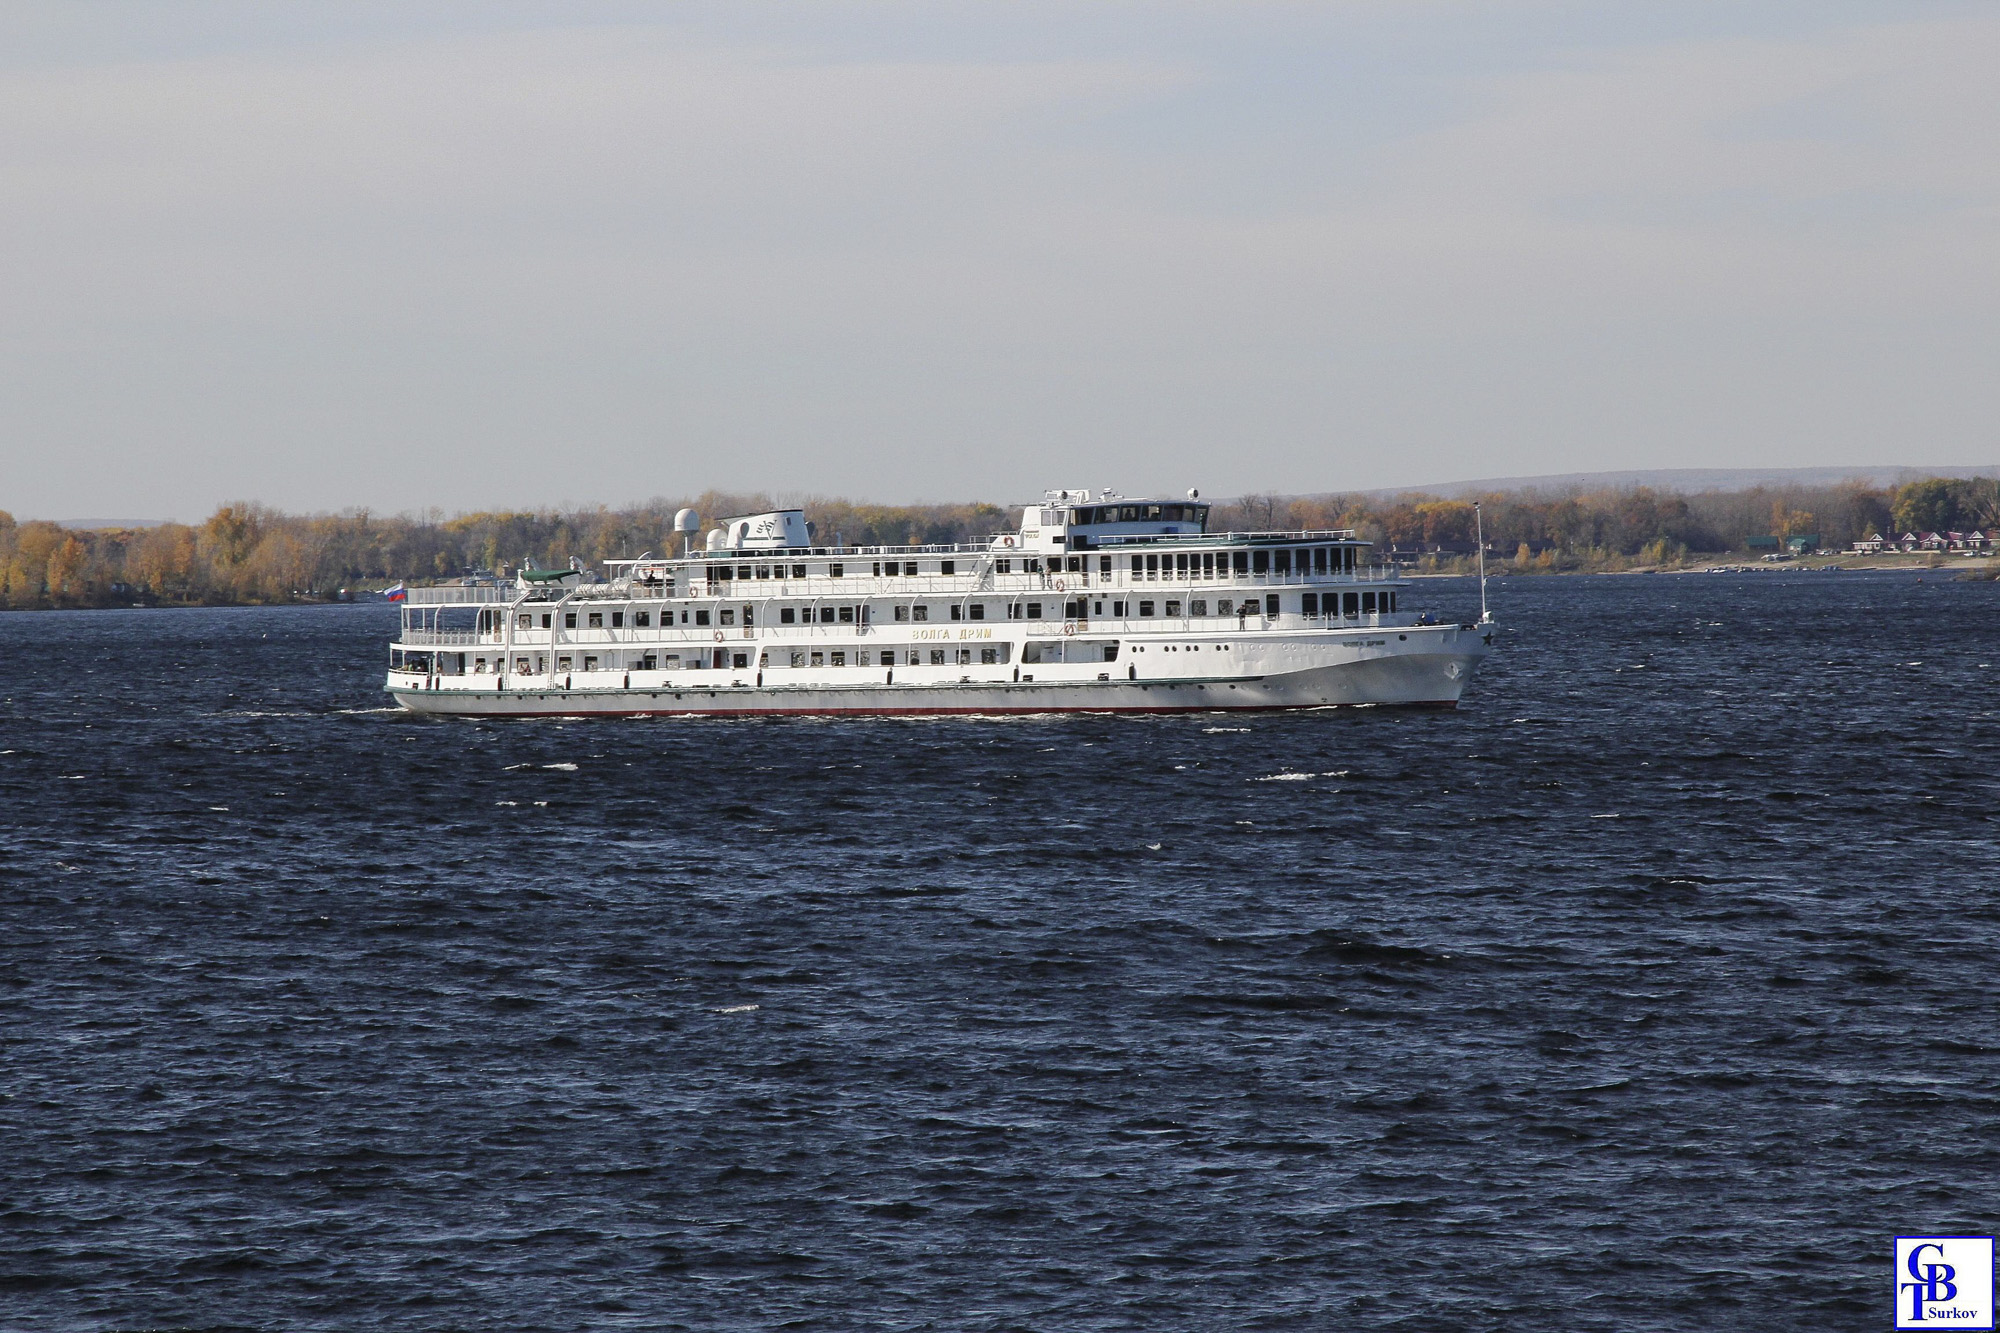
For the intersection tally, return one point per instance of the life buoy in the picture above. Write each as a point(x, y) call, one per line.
point(1007, 542)
point(1061, 586)
point(718, 636)
point(1069, 627)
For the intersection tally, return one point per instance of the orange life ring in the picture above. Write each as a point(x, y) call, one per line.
point(1069, 627)
point(718, 636)
point(1007, 541)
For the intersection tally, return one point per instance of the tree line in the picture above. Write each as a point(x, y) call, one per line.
point(248, 553)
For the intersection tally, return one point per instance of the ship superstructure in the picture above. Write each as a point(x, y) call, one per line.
point(1096, 602)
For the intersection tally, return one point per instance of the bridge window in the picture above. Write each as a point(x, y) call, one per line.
point(1284, 561)
point(1319, 559)
point(1242, 561)
point(1260, 562)
point(1367, 603)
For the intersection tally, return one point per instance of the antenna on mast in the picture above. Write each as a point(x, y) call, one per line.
point(1479, 539)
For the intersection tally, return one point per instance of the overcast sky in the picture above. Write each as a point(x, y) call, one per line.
point(405, 255)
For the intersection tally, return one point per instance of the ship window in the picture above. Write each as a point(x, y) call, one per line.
point(739, 660)
point(787, 616)
point(1104, 565)
point(728, 617)
point(947, 566)
point(902, 613)
point(1309, 604)
point(861, 658)
point(1260, 562)
point(909, 569)
point(798, 571)
point(989, 657)
point(937, 657)
point(521, 665)
point(1350, 605)
point(569, 620)
point(1111, 652)
point(1145, 608)
point(701, 617)
point(957, 612)
point(920, 612)
point(1003, 566)
point(649, 662)
point(1034, 610)
point(965, 657)
point(798, 659)
point(1224, 607)
point(1174, 609)
point(562, 664)
point(1284, 561)
point(1032, 565)
point(839, 658)
point(720, 572)
point(819, 659)
point(749, 616)
point(763, 571)
point(1367, 603)
point(1241, 559)
point(826, 615)
point(1389, 601)
point(641, 619)
point(1152, 512)
point(1271, 604)
point(1319, 560)
point(1152, 567)
point(978, 610)
point(479, 666)
point(589, 662)
point(836, 571)
point(847, 615)
point(743, 571)
point(524, 622)
point(597, 620)
point(1118, 609)
point(1198, 607)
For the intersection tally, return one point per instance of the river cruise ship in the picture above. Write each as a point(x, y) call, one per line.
point(1095, 603)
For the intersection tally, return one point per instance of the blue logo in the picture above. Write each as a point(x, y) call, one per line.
point(1944, 1282)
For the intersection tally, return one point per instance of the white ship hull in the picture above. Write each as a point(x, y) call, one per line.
point(1412, 667)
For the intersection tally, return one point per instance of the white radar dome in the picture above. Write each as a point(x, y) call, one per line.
point(687, 521)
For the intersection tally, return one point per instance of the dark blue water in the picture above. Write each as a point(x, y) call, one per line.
point(1654, 989)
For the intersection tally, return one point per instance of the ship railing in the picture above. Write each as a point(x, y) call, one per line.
point(461, 595)
point(444, 638)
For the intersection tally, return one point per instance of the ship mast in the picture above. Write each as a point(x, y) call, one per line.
point(1479, 539)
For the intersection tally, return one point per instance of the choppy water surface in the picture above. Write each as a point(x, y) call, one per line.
point(1654, 989)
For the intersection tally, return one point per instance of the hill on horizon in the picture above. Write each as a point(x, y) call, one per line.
point(1692, 479)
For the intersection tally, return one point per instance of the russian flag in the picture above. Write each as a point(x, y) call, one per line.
point(398, 593)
